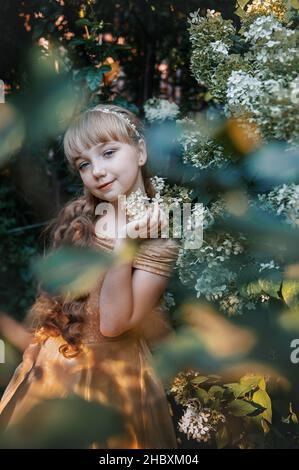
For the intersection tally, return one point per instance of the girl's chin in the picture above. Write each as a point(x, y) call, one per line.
point(112, 197)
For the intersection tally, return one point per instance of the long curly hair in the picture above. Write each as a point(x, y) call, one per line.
point(57, 315)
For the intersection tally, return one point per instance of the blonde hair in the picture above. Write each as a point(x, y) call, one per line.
point(54, 315)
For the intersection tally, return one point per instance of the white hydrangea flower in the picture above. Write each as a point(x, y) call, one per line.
point(272, 43)
point(220, 47)
point(294, 90)
point(198, 149)
point(167, 301)
point(158, 183)
point(234, 304)
point(194, 424)
point(136, 204)
point(283, 199)
point(262, 28)
point(199, 423)
point(265, 298)
point(243, 90)
point(157, 109)
point(262, 56)
point(195, 17)
point(212, 284)
point(270, 265)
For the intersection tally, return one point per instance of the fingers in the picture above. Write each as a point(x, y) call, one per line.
point(148, 226)
point(157, 220)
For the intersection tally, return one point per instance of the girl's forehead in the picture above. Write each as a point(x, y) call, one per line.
point(107, 142)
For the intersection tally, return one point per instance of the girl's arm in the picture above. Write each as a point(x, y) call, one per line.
point(127, 297)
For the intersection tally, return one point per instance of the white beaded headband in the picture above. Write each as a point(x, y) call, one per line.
point(116, 113)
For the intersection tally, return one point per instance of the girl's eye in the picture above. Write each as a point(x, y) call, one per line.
point(109, 153)
point(106, 154)
point(82, 166)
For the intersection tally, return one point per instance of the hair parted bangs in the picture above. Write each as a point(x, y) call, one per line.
point(93, 127)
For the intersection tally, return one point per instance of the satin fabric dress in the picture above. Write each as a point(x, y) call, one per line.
point(114, 371)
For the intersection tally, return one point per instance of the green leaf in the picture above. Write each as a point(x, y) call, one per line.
point(71, 269)
point(199, 379)
point(234, 388)
point(262, 383)
point(69, 423)
point(214, 378)
point(38, 31)
point(202, 395)
point(12, 131)
point(76, 42)
point(262, 398)
point(242, 3)
point(247, 384)
point(294, 417)
point(265, 425)
point(222, 437)
point(241, 408)
point(83, 22)
point(94, 77)
point(240, 12)
point(216, 391)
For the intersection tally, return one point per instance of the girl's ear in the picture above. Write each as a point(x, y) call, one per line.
point(142, 157)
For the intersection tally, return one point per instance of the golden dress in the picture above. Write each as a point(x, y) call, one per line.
point(115, 371)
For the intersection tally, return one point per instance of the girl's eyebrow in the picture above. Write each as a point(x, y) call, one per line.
point(101, 145)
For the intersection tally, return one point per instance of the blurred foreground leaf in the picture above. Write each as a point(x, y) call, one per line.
point(71, 270)
point(70, 423)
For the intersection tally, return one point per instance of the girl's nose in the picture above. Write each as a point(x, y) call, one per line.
point(98, 170)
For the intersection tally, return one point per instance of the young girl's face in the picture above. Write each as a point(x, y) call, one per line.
point(114, 162)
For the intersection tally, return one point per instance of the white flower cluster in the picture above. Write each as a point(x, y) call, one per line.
point(136, 205)
point(263, 28)
point(214, 284)
point(168, 197)
point(195, 17)
point(294, 90)
point(252, 71)
point(218, 250)
point(199, 424)
point(204, 269)
point(167, 301)
point(284, 200)
point(198, 149)
point(219, 47)
point(194, 424)
point(243, 91)
point(270, 265)
point(158, 183)
point(235, 304)
point(157, 109)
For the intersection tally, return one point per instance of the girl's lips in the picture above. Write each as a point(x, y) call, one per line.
point(107, 186)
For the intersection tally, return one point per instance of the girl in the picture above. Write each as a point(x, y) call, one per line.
point(97, 346)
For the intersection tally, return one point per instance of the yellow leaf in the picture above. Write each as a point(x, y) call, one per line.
point(240, 12)
point(262, 383)
point(262, 398)
point(208, 96)
point(265, 426)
